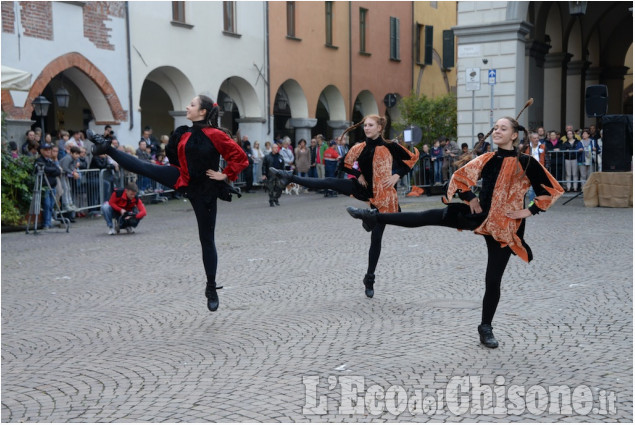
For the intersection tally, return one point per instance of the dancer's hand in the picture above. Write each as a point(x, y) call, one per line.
point(362, 180)
point(519, 214)
point(475, 206)
point(390, 181)
point(216, 175)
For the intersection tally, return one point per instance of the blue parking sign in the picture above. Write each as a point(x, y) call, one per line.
point(491, 77)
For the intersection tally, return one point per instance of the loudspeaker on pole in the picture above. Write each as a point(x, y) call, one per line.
point(596, 100)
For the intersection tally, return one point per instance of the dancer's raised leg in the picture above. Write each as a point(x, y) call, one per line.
point(166, 175)
point(343, 186)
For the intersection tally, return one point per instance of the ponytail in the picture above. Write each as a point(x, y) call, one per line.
point(211, 117)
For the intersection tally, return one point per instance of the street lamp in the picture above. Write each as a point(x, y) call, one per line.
point(41, 109)
point(282, 102)
point(62, 97)
point(577, 8)
point(228, 104)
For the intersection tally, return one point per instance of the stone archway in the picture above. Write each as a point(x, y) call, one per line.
point(291, 111)
point(246, 115)
point(164, 94)
point(104, 102)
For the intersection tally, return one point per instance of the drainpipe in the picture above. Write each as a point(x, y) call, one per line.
point(267, 84)
point(130, 108)
point(350, 61)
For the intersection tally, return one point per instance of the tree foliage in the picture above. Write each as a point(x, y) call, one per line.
point(436, 117)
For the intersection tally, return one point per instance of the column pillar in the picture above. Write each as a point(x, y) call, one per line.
point(553, 90)
point(16, 131)
point(251, 127)
point(338, 127)
point(613, 77)
point(574, 98)
point(537, 52)
point(179, 118)
point(302, 128)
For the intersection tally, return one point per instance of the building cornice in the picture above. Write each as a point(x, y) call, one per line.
point(492, 32)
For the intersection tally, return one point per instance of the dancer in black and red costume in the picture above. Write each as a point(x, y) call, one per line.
point(194, 153)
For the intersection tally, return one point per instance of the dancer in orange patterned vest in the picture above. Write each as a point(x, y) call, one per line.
point(380, 165)
point(498, 212)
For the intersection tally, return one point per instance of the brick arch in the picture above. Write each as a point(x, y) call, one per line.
point(60, 64)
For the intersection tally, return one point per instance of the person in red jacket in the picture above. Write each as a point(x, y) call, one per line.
point(194, 153)
point(125, 207)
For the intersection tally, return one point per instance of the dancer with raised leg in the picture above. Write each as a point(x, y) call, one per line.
point(381, 164)
point(498, 213)
point(194, 153)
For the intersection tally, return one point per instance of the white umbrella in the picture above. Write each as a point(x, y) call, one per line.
point(14, 79)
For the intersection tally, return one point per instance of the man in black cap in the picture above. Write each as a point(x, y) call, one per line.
point(52, 172)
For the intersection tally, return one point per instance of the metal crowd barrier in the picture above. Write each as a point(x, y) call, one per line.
point(95, 186)
point(423, 174)
point(570, 167)
point(84, 193)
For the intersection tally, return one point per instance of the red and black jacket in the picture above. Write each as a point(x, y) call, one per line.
point(119, 202)
point(194, 150)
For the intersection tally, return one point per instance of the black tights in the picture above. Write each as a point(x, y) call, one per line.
point(497, 256)
point(346, 187)
point(164, 174)
point(343, 186)
point(204, 210)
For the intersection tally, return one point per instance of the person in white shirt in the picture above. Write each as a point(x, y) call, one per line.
point(287, 153)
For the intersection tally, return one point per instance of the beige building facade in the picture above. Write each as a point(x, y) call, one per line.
point(439, 77)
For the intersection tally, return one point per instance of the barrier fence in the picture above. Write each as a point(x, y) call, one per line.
point(95, 186)
point(571, 168)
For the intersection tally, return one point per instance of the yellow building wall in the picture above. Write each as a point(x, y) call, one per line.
point(429, 80)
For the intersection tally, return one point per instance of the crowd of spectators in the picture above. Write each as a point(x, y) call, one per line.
point(570, 155)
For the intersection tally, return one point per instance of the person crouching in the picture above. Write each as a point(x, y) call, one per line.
point(125, 207)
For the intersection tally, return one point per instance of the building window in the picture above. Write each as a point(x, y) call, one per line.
point(229, 16)
point(363, 15)
point(433, 4)
point(329, 22)
point(178, 11)
point(291, 19)
point(394, 39)
point(419, 43)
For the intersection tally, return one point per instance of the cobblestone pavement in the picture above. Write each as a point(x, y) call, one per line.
point(99, 328)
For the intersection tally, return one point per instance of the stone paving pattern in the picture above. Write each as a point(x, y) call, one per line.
point(99, 328)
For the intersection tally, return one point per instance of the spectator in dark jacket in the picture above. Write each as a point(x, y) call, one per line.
point(51, 172)
point(274, 187)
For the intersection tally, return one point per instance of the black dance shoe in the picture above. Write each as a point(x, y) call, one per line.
point(212, 296)
point(283, 176)
point(487, 336)
point(369, 281)
point(100, 143)
point(368, 217)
